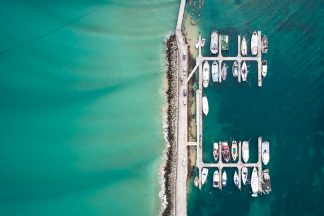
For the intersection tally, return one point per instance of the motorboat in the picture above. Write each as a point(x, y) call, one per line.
point(214, 42)
point(254, 43)
point(255, 182)
point(215, 151)
point(264, 68)
point(204, 174)
point(244, 175)
point(236, 179)
point(224, 178)
point(245, 151)
point(244, 71)
point(205, 105)
point(215, 71)
point(234, 150)
point(224, 42)
point(264, 44)
point(225, 151)
point(235, 69)
point(265, 152)
point(196, 181)
point(224, 71)
point(216, 179)
point(266, 184)
point(243, 47)
point(206, 74)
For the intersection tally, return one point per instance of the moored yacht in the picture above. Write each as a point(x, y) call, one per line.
point(215, 71)
point(206, 74)
point(215, 151)
point(254, 43)
point(264, 44)
point(244, 175)
point(224, 178)
point(266, 184)
point(245, 151)
point(234, 150)
point(265, 152)
point(255, 182)
point(264, 68)
point(243, 47)
point(236, 179)
point(214, 42)
point(205, 105)
point(225, 151)
point(235, 69)
point(224, 71)
point(204, 174)
point(244, 71)
point(216, 179)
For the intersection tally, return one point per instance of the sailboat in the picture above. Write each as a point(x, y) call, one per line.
point(224, 178)
point(215, 151)
point(236, 179)
point(205, 105)
point(254, 43)
point(224, 71)
point(245, 151)
point(204, 175)
point(244, 47)
point(235, 69)
point(244, 175)
point(206, 74)
point(244, 71)
point(265, 152)
point(216, 179)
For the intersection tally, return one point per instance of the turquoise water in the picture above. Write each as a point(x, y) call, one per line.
point(81, 96)
point(288, 110)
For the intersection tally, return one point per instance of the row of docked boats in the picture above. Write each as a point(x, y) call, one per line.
point(223, 148)
point(220, 179)
point(224, 40)
point(218, 75)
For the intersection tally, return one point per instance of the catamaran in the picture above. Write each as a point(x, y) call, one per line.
point(234, 150)
point(216, 179)
point(204, 174)
point(243, 47)
point(244, 71)
point(214, 42)
point(244, 175)
point(266, 185)
point(225, 151)
point(215, 71)
point(205, 74)
point(224, 71)
point(236, 179)
point(205, 105)
point(264, 44)
point(255, 182)
point(265, 152)
point(264, 68)
point(245, 151)
point(224, 178)
point(215, 151)
point(235, 69)
point(254, 43)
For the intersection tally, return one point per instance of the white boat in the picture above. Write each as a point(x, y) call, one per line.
point(206, 74)
point(215, 151)
point(244, 175)
point(235, 69)
point(224, 178)
point(204, 175)
point(224, 71)
point(244, 47)
point(236, 179)
point(214, 42)
point(254, 43)
point(234, 150)
point(264, 68)
point(205, 105)
point(245, 151)
point(255, 182)
point(196, 181)
point(265, 152)
point(216, 179)
point(215, 71)
point(244, 71)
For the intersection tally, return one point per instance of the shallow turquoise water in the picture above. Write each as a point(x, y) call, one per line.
point(81, 97)
point(288, 110)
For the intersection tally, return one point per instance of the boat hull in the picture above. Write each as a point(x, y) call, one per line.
point(254, 43)
point(215, 71)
